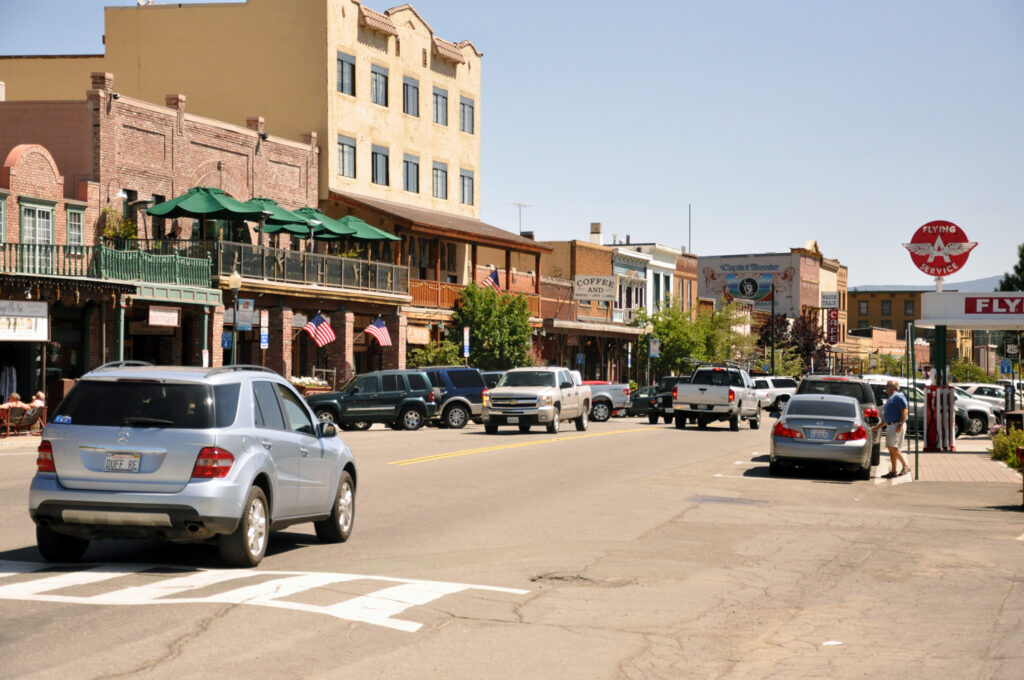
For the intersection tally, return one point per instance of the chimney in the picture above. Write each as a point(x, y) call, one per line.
point(527, 234)
point(102, 81)
point(627, 239)
point(595, 233)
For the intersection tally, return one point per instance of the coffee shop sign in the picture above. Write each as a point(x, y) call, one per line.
point(601, 288)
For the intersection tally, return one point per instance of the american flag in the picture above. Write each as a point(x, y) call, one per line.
point(320, 330)
point(492, 281)
point(379, 330)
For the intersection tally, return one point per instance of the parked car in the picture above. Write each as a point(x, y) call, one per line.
point(990, 393)
point(643, 402)
point(399, 398)
point(846, 386)
point(717, 393)
point(537, 396)
point(663, 395)
point(607, 398)
point(773, 390)
point(824, 428)
point(188, 454)
point(462, 394)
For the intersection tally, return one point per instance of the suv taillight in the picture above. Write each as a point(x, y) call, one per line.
point(431, 397)
point(483, 396)
point(781, 430)
point(675, 393)
point(732, 395)
point(859, 433)
point(44, 461)
point(212, 463)
point(870, 413)
point(627, 391)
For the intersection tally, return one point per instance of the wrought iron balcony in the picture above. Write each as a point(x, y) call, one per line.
point(101, 262)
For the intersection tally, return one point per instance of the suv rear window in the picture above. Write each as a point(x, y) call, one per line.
point(417, 382)
point(846, 389)
point(718, 378)
point(465, 378)
point(784, 382)
point(128, 403)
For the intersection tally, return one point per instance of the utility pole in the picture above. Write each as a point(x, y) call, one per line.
point(772, 322)
point(521, 206)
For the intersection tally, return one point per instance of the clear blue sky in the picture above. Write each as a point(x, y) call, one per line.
point(852, 123)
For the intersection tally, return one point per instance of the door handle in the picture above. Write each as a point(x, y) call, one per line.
point(267, 444)
point(303, 452)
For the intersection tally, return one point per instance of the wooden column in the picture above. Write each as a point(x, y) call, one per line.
point(437, 268)
point(536, 272)
point(508, 270)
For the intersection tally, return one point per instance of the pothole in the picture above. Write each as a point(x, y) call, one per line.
point(577, 579)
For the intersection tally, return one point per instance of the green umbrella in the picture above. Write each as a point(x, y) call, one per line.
point(329, 228)
point(205, 202)
point(364, 231)
point(276, 218)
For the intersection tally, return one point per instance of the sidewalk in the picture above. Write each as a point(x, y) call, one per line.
point(971, 462)
point(20, 441)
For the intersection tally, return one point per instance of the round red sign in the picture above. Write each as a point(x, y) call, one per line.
point(939, 248)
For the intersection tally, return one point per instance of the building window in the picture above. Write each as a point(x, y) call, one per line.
point(466, 115)
point(75, 237)
point(689, 295)
point(346, 74)
point(886, 308)
point(346, 156)
point(908, 308)
point(379, 85)
point(441, 180)
point(440, 106)
point(411, 96)
point(466, 184)
point(379, 159)
point(36, 224)
point(886, 323)
point(862, 307)
point(3, 218)
point(411, 173)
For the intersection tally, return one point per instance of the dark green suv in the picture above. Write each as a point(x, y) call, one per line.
point(403, 399)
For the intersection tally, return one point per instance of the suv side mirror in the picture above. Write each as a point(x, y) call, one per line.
point(566, 385)
point(328, 430)
point(354, 390)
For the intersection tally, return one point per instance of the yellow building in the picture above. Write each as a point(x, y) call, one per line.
point(396, 108)
point(895, 309)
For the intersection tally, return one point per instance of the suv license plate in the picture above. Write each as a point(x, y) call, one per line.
point(121, 462)
point(818, 433)
point(512, 420)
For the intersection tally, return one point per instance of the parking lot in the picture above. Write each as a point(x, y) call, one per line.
point(628, 550)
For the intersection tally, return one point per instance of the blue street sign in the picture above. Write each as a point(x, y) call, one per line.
point(1005, 366)
point(580, 358)
point(225, 340)
point(264, 340)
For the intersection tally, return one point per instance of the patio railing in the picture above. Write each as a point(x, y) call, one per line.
point(100, 262)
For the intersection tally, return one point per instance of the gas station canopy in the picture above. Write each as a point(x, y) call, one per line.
point(981, 311)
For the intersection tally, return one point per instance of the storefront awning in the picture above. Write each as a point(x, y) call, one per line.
point(611, 330)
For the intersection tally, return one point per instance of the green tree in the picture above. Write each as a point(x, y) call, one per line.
point(499, 328)
point(891, 364)
point(710, 337)
point(1014, 280)
point(962, 371)
point(808, 340)
point(116, 225)
point(437, 353)
point(787, 361)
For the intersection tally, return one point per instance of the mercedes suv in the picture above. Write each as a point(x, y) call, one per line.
point(188, 454)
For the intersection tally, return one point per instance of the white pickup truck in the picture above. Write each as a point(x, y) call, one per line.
point(537, 396)
point(717, 393)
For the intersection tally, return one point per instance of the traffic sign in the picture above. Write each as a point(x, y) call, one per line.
point(225, 340)
point(1005, 366)
point(264, 340)
point(465, 342)
point(1012, 349)
point(939, 248)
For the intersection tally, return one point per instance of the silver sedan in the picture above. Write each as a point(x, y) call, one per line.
point(821, 428)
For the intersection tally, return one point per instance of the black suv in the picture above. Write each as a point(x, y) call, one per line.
point(462, 390)
point(848, 387)
point(663, 398)
point(403, 399)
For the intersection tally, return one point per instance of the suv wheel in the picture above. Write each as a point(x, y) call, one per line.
point(338, 526)
point(56, 547)
point(491, 429)
point(555, 422)
point(582, 422)
point(755, 422)
point(977, 425)
point(325, 415)
point(668, 418)
point(246, 545)
point(734, 422)
point(456, 416)
point(411, 419)
point(652, 418)
point(601, 411)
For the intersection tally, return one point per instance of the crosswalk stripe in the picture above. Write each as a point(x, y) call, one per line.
point(268, 591)
point(378, 607)
point(66, 580)
point(165, 588)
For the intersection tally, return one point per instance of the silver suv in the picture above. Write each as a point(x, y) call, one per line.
point(188, 454)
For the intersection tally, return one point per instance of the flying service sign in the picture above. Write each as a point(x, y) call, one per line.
point(939, 248)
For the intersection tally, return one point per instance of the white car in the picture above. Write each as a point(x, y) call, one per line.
point(987, 392)
point(773, 390)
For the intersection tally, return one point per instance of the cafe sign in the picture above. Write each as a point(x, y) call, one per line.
point(600, 288)
point(22, 321)
point(165, 316)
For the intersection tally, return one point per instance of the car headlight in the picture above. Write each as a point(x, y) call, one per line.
point(545, 401)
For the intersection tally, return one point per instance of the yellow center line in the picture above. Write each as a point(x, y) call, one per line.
point(534, 442)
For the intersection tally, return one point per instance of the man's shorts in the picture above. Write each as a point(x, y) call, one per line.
point(894, 437)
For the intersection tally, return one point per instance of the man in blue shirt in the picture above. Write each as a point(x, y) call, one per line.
point(894, 416)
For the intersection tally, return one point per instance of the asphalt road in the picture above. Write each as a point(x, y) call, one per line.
point(628, 551)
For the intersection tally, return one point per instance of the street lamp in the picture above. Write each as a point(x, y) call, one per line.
point(234, 283)
point(649, 331)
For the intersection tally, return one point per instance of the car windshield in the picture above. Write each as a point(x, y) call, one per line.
point(528, 379)
point(821, 408)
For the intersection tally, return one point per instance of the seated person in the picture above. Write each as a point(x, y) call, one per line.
point(39, 401)
point(14, 401)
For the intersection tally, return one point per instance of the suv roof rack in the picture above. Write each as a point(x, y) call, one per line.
point(121, 364)
point(238, 367)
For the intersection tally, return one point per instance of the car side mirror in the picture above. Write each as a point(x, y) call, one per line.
point(566, 385)
point(328, 430)
point(353, 390)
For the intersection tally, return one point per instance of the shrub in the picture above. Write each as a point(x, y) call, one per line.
point(1005, 442)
